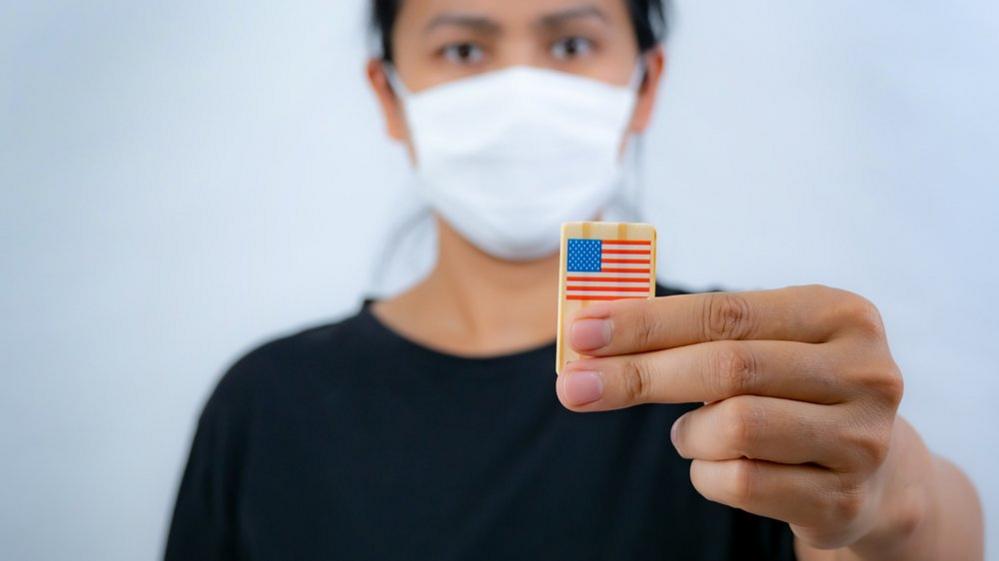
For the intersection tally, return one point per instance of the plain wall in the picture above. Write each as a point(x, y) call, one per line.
point(182, 180)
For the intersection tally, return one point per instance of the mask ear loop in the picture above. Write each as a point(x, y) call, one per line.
point(395, 81)
point(401, 234)
point(628, 202)
point(638, 163)
point(635, 181)
point(639, 76)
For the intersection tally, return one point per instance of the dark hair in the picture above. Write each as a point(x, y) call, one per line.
point(650, 19)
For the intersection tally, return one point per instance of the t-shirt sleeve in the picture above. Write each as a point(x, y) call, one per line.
point(204, 524)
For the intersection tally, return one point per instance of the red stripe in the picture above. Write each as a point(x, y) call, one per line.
point(584, 297)
point(629, 261)
point(608, 288)
point(646, 271)
point(629, 242)
point(608, 279)
point(627, 252)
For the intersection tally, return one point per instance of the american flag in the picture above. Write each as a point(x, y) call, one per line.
point(608, 269)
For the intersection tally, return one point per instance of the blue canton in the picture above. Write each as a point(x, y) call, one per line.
point(584, 256)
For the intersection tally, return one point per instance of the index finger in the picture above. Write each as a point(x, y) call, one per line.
point(806, 314)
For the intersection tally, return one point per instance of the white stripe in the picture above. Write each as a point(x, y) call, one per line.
point(608, 293)
point(629, 274)
point(615, 247)
point(625, 265)
point(595, 283)
point(632, 281)
point(610, 285)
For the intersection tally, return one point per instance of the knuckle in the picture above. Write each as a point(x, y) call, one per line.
point(843, 502)
point(743, 482)
point(845, 505)
point(870, 446)
point(910, 519)
point(817, 292)
point(819, 289)
point(744, 422)
point(885, 384)
point(647, 325)
point(863, 315)
point(637, 381)
point(735, 369)
point(896, 391)
point(893, 386)
point(726, 316)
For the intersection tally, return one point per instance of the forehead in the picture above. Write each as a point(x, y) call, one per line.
point(509, 13)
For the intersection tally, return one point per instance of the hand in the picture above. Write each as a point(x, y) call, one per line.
point(800, 394)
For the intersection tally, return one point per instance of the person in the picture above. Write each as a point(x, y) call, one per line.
point(431, 424)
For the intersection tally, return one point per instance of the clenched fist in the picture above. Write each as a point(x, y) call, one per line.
point(800, 394)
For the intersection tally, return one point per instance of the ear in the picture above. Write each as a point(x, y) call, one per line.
point(395, 119)
point(655, 69)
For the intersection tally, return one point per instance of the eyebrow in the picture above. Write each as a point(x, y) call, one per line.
point(481, 24)
point(484, 24)
point(557, 19)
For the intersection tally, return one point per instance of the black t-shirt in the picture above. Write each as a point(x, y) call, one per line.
point(348, 441)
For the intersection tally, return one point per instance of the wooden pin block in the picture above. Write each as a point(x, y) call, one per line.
point(601, 261)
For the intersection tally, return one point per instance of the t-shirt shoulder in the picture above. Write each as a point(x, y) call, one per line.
point(274, 365)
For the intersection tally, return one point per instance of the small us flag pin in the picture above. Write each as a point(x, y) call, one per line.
point(601, 261)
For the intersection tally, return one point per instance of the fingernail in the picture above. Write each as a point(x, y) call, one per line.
point(590, 334)
point(673, 430)
point(582, 388)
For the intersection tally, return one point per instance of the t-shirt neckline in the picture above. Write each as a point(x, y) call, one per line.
point(383, 329)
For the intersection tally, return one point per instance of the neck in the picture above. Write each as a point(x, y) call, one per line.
point(479, 305)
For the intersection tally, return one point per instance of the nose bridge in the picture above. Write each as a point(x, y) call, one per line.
point(521, 47)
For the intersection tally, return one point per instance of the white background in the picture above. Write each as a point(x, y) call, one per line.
point(181, 180)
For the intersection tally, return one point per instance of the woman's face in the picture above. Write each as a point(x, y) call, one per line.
point(438, 41)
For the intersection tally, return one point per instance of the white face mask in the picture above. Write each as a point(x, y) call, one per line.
point(508, 156)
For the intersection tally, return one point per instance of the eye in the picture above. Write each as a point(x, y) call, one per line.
point(571, 47)
point(463, 53)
